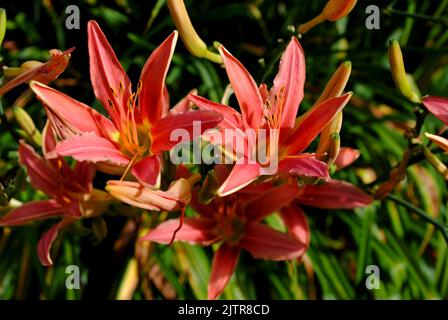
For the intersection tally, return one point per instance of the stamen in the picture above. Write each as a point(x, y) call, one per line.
point(128, 167)
point(114, 92)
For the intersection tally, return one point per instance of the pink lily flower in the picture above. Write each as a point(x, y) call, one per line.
point(275, 111)
point(235, 222)
point(71, 191)
point(140, 125)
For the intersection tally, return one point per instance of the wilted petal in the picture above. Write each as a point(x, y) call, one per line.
point(306, 166)
point(161, 131)
point(153, 80)
point(44, 73)
point(109, 80)
point(32, 211)
point(264, 242)
point(193, 231)
point(135, 194)
point(295, 221)
point(270, 201)
point(333, 195)
point(90, 147)
point(41, 174)
point(240, 176)
point(147, 170)
point(440, 141)
point(65, 111)
point(346, 157)
point(313, 122)
point(223, 266)
point(245, 88)
point(291, 79)
point(438, 106)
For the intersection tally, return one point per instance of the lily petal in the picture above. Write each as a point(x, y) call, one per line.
point(291, 78)
point(162, 130)
point(109, 80)
point(240, 176)
point(46, 242)
point(333, 195)
point(49, 138)
point(295, 221)
point(313, 122)
point(90, 147)
point(270, 201)
point(440, 141)
point(32, 211)
point(264, 242)
point(184, 105)
point(245, 88)
point(223, 266)
point(346, 157)
point(65, 111)
point(153, 80)
point(147, 171)
point(305, 167)
point(83, 173)
point(41, 174)
point(438, 106)
point(193, 231)
point(231, 118)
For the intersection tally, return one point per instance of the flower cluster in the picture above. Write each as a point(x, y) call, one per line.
point(132, 143)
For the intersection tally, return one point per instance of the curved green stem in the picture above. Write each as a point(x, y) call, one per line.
point(422, 214)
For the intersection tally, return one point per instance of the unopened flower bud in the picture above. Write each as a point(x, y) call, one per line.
point(26, 123)
point(188, 34)
point(399, 72)
point(338, 9)
point(436, 163)
point(334, 88)
point(337, 83)
point(334, 147)
point(334, 10)
point(2, 24)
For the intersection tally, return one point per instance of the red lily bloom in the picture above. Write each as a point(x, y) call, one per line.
point(140, 125)
point(275, 111)
point(235, 221)
point(71, 192)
